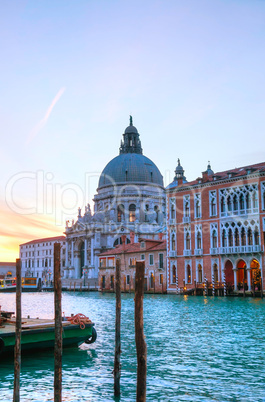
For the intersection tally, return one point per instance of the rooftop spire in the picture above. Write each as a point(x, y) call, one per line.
point(131, 121)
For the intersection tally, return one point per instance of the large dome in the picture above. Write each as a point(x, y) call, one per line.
point(130, 168)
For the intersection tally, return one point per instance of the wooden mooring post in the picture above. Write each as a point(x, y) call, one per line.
point(261, 288)
point(117, 357)
point(58, 344)
point(141, 349)
point(17, 351)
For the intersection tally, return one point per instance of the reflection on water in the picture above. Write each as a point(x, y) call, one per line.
point(199, 349)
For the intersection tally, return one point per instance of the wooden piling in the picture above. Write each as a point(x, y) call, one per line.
point(195, 288)
point(261, 288)
point(139, 333)
point(124, 282)
point(117, 357)
point(17, 351)
point(74, 286)
point(58, 344)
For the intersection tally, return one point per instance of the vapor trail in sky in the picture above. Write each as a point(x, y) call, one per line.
point(43, 121)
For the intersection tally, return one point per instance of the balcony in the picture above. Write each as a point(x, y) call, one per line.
point(172, 253)
point(214, 250)
point(187, 253)
point(186, 219)
point(198, 251)
point(240, 249)
point(172, 221)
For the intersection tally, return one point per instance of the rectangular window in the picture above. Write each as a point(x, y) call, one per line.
point(103, 281)
point(151, 259)
point(161, 260)
point(128, 279)
point(142, 257)
point(112, 281)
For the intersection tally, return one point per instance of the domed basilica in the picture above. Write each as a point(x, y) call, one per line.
point(130, 199)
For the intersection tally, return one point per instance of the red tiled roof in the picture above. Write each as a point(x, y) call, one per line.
point(136, 247)
point(236, 173)
point(56, 238)
point(7, 264)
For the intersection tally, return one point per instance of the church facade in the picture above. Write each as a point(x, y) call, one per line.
point(130, 198)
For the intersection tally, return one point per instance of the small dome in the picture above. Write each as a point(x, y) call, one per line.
point(131, 129)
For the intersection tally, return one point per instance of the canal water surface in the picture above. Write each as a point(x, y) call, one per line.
point(198, 349)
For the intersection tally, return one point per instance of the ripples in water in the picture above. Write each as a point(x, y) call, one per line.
point(198, 349)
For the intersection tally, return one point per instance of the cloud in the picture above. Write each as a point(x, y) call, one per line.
point(43, 121)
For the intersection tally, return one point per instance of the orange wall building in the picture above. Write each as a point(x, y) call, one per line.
point(215, 230)
point(153, 252)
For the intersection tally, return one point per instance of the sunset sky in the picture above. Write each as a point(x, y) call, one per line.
point(190, 72)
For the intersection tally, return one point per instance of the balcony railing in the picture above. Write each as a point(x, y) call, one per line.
point(187, 253)
point(240, 249)
point(172, 221)
point(214, 250)
point(172, 253)
point(247, 211)
point(198, 251)
point(186, 219)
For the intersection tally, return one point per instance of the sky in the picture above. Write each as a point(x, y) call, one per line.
point(190, 72)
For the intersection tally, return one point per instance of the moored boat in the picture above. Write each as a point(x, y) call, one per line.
point(28, 284)
point(37, 334)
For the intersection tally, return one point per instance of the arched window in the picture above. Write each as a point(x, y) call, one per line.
point(222, 204)
point(224, 238)
point(199, 240)
point(254, 200)
point(187, 209)
point(250, 238)
point(187, 241)
point(132, 209)
point(173, 242)
point(199, 273)
point(235, 203)
point(172, 211)
point(197, 209)
point(119, 241)
point(243, 237)
point(256, 236)
point(247, 201)
point(120, 213)
point(46, 262)
point(156, 209)
point(236, 237)
point(173, 274)
point(229, 203)
point(230, 238)
point(146, 211)
point(215, 273)
point(241, 202)
point(188, 270)
point(214, 239)
point(213, 207)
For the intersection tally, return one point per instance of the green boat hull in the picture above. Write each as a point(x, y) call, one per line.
point(38, 339)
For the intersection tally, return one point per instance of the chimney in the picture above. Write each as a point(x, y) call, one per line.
point(160, 236)
point(123, 239)
point(132, 237)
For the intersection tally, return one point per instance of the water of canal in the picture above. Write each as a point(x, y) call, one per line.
point(198, 349)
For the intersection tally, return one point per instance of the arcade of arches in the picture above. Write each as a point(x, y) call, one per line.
point(241, 276)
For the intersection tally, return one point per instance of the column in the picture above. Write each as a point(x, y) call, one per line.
point(235, 278)
point(72, 257)
point(66, 254)
point(248, 277)
point(92, 252)
point(85, 259)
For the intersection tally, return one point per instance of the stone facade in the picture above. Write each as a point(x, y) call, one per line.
point(153, 252)
point(37, 258)
point(130, 197)
point(215, 230)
